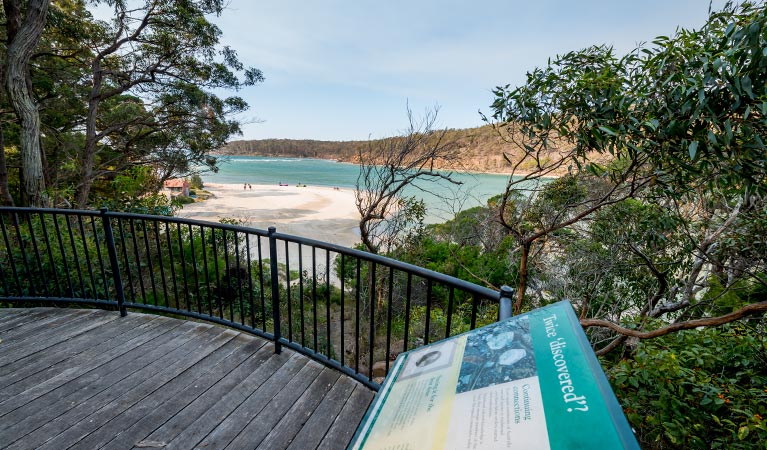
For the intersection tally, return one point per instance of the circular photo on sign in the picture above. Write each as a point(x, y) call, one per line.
point(428, 358)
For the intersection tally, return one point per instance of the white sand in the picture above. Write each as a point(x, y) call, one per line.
point(321, 213)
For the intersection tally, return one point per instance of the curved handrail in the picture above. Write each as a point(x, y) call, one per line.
point(346, 308)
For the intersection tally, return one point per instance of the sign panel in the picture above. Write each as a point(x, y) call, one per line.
point(529, 382)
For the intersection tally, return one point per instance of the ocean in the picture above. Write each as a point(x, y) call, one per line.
point(442, 199)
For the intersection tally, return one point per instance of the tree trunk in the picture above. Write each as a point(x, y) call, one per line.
point(88, 158)
point(523, 274)
point(18, 85)
point(5, 192)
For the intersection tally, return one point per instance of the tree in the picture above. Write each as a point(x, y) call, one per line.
point(678, 124)
point(163, 52)
point(22, 37)
point(387, 168)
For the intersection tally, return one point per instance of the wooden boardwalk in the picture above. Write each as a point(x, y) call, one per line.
point(88, 379)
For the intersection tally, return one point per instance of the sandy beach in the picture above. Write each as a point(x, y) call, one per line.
point(321, 213)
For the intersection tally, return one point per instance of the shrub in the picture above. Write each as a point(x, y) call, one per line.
point(697, 389)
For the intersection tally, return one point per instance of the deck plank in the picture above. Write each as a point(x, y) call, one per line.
point(175, 362)
point(14, 320)
point(202, 410)
point(284, 431)
point(103, 337)
point(60, 400)
point(88, 379)
point(316, 426)
point(345, 425)
point(143, 362)
point(48, 336)
point(272, 396)
point(163, 412)
point(45, 324)
point(261, 385)
point(55, 376)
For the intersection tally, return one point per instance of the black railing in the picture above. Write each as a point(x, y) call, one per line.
point(346, 308)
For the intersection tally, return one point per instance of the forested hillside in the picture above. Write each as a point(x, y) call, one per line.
point(479, 149)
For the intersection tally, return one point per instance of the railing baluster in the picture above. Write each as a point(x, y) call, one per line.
point(6, 291)
point(343, 300)
point(24, 260)
point(54, 265)
point(408, 293)
point(109, 240)
point(261, 281)
point(63, 253)
point(328, 342)
point(205, 269)
point(228, 275)
point(76, 257)
point(213, 239)
point(161, 264)
point(182, 259)
point(388, 317)
point(127, 261)
point(99, 255)
point(195, 269)
point(11, 259)
point(239, 275)
point(147, 252)
point(88, 263)
point(450, 298)
point(171, 260)
point(428, 311)
point(140, 276)
point(372, 328)
point(357, 322)
point(39, 260)
point(250, 282)
point(314, 295)
point(287, 289)
point(275, 289)
point(301, 293)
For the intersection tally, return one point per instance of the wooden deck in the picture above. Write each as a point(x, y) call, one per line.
point(88, 379)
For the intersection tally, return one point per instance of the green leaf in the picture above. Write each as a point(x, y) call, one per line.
point(693, 149)
point(745, 83)
point(609, 131)
point(743, 432)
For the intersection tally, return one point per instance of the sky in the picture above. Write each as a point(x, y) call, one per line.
point(348, 70)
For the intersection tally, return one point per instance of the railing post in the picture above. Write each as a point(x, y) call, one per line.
point(504, 310)
point(275, 289)
point(110, 241)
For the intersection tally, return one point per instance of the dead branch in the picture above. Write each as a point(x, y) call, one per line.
point(749, 310)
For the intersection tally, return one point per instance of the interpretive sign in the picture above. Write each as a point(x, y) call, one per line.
point(529, 382)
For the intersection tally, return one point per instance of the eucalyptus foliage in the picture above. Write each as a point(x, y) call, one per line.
point(692, 106)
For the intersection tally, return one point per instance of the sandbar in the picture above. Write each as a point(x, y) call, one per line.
point(323, 213)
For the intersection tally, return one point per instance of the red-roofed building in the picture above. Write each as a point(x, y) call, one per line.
point(177, 186)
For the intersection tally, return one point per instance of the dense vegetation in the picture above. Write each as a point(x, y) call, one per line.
point(87, 101)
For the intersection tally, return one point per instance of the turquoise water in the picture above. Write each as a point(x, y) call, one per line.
point(474, 190)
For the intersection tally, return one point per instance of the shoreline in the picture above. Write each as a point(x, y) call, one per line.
point(520, 173)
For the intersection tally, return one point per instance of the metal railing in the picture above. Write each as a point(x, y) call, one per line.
point(346, 308)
